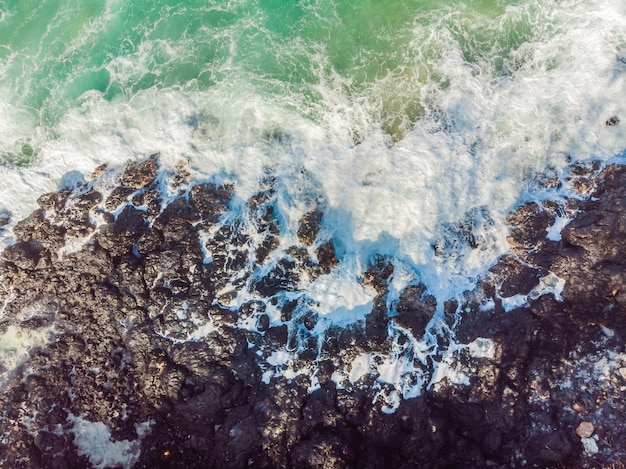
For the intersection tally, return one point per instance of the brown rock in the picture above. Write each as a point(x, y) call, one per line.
point(585, 429)
point(309, 227)
point(140, 174)
point(126, 305)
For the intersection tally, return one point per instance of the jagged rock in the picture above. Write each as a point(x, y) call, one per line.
point(310, 226)
point(5, 218)
point(118, 196)
point(282, 278)
point(23, 255)
point(118, 238)
point(323, 450)
point(415, 309)
point(149, 241)
point(209, 201)
point(513, 277)
point(198, 326)
point(326, 256)
point(39, 229)
point(378, 274)
point(139, 174)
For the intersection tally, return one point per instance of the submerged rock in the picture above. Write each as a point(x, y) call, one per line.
point(177, 332)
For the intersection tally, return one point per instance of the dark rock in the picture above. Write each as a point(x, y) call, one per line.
point(550, 448)
point(39, 229)
point(269, 244)
point(324, 450)
point(530, 224)
point(309, 320)
point(151, 199)
point(415, 309)
point(378, 274)
point(376, 323)
point(281, 278)
point(24, 255)
point(119, 237)
point(49, 443)
point(139, 174)
point(5, 218)
point(287, 309)
point(263, 323)
point(87, 200)
point(210, 201)
point(326, 256)
point(277, 336)
point(118, 196)
point(53, 200)
point(513, 277)
point(142, 324)
point(613, 120)
point(309, 227)
point(149, 241)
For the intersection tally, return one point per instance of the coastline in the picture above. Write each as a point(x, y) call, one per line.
point(132, 343)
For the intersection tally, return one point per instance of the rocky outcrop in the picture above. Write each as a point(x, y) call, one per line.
point(163, 321)
point(562, 355)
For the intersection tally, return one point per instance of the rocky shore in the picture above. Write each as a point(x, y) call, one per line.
point(122, 348)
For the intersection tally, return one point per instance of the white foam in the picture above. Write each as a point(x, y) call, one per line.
point(341, 298)
point(361, 366)
point(10, 296)
point(389, 199)
point(609, 333)
point(513, 302)
point(402, 374)
point(202, 331)
point(17, 342)
point(549, 284)
point(93, 440)
point(554, 230)
point(281, 363)
point(482, 348)
point(451, 369)
point(340, 378)
point(391, 400)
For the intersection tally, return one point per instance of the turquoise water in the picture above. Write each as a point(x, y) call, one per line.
point(53, 52)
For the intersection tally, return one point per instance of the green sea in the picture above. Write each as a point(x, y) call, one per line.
point(53, 52)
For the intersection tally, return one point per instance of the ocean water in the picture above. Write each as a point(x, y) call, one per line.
point(404, 117)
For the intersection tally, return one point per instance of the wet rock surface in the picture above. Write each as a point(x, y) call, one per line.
point(165, 321)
